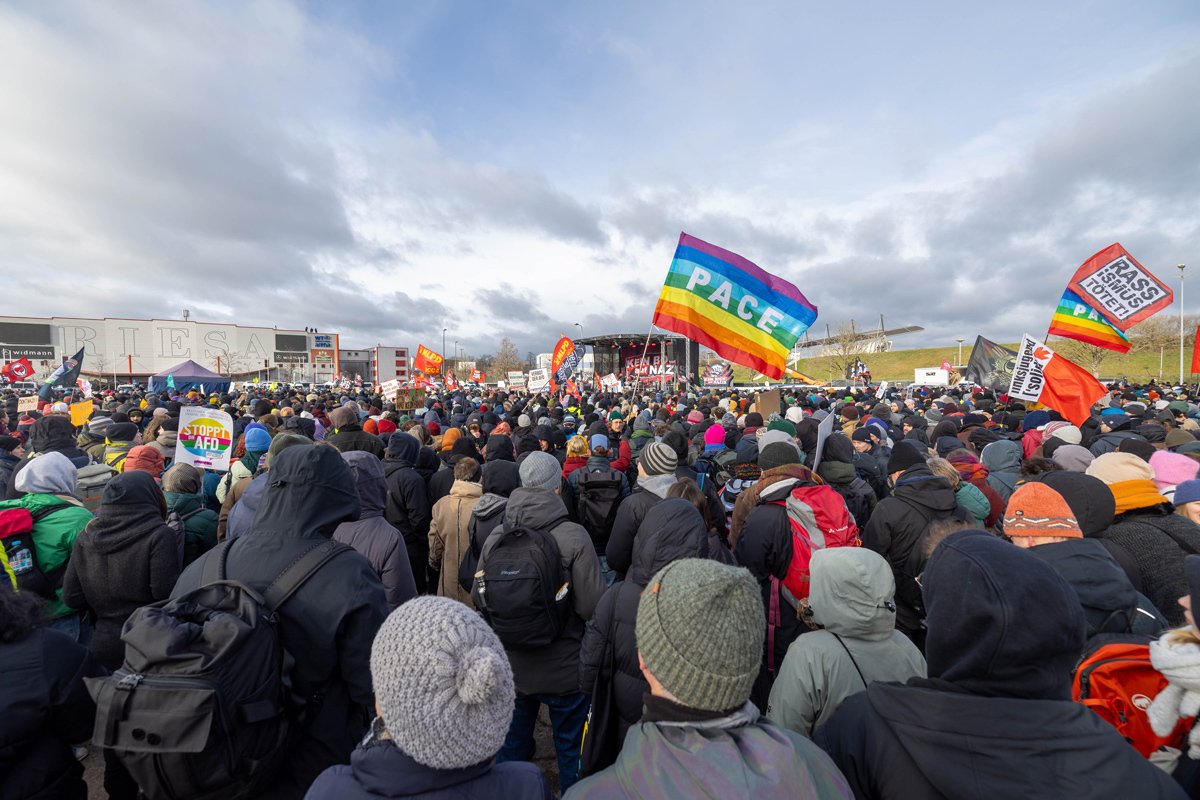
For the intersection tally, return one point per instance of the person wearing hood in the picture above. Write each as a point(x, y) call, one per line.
point(716, 517)
point(1040, 519)
point(1146, 538)
point(47, 435)
point(499, 482)
point(851, 599)
point(656, 475)
point(699, 631)
point(348, 433)
point(899, 521)
point(331, 620)
point(144, 458)
point(47, 485)
point(44, 702)
point(1003, 461)
point(449, 535)
point(11, 451)
point(167, 437)
point(257, 441)
point(444, 700)
point(672, 529)
point(181, 489)
point(995, 714)
point(374, 536)
point(550, 675)
point(640, 436)
point(1114, 429)
point(837, 470)
point(408, 509)
point(246, 496)
point(127, 557)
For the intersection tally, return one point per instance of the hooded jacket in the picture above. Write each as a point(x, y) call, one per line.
point(352, 437)
point(372, 535)
point(1005, 632)
point(45, 708)
point(49, 434)
point(164, 442)
point(380, 769)
point(1003, 460)
point(851, 597)
point(125, 558)
point(331, 620)
point(48, 482)
point(200, 524)
point(407, 508)
point(449, 538)
point(1151, 544)
point(896, 528)
point(633, 509)
point(672, 530)
point(739, 755)
point(554, 669)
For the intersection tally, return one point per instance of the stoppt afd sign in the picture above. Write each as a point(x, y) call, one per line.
point(205, 438)
point(1116, 285)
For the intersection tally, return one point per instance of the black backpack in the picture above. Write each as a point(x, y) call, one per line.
point(715, 471)
point(599, 496)
point(16, 537)
point(203, 706)
point(522, 589)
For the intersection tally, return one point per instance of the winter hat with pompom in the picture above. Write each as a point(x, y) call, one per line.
point(443, 683)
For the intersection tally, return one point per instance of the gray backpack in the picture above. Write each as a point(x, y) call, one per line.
point(90, 482)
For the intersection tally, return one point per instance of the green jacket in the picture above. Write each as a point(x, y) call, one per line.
point(200, 528)
point(53, 536)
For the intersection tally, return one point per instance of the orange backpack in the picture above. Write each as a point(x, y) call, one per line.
point(1118, 682)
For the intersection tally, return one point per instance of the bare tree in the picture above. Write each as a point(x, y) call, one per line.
point(843, 347)
point(1085, 355)
point(507, 359)
point(1160, 335)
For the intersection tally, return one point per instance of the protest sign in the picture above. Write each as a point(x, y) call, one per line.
point(539, 380)
point(1122, 290)
point(205, 438)
point(27, 404)
point(824, 431)
point(81, 412)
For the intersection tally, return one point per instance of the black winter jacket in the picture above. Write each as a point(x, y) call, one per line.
point(633, 509)
point(330, 622)
point(373, 536)
point(928, 739)
point(125, 558)
point(352, 437)
point(45, 708)
point(672, 530)
point(895, 530)
point(407, 508)
point(1150, 544)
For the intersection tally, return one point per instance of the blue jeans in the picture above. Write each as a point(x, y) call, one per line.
point(567, 715)
point(610, 575)
point(75, 626)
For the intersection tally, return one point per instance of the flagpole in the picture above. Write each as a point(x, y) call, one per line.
point(645, 350)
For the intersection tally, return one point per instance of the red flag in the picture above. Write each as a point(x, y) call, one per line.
point(427, 361)
point(478, 376)
point(1044, 376)
point(1124, 292)
point(1196, 352)
point(18, 370)
point(451, 381)
point(946, 365)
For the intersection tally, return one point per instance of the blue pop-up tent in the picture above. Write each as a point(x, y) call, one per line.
point(189, 375)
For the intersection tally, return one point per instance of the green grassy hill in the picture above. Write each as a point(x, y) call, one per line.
point(898, 365)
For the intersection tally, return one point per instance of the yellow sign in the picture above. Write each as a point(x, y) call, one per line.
point(81, 413)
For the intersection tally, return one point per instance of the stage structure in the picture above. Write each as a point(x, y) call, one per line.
point(667, 360)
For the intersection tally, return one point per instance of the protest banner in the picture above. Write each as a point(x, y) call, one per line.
point(516, 380)
point(768, 403)
point(539, 380)
point(81, 412)
point(1045, 377)
point(205, 438)
point(427, 361)
point(27, 404)
point(824, 431)
point(1122, 290)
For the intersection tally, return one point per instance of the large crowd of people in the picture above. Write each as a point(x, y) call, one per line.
point(849, 593)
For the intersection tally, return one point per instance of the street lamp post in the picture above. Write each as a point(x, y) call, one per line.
point(443, 347)
point(1181, 269)
point(960, 341)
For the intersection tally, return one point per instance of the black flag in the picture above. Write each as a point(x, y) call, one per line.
point(65, 375)
point(991, 365)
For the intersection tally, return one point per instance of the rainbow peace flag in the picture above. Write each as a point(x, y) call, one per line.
point(733, 307)
point(1075, 319)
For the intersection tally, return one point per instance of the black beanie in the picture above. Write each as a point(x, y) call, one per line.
point(904, 455)
point(777, 454)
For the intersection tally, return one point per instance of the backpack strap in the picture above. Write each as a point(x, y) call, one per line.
point(46, 511)
point(299, 571)
point(773, 622)
point(214, 565)
point(852, 661)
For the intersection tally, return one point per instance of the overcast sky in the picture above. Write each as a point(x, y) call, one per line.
point(387, 169)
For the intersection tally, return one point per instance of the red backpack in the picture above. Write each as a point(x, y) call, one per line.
point(1118, 682)
point(819, 519)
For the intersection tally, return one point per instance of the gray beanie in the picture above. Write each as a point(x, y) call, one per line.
point(778, 454)
point(99, 425)
point(523, 421)
point(540, 471)
point(700, 630)
point(443, 683)
point(658, 459)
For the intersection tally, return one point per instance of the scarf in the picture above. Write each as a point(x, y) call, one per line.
point(1179, 663)
point(1135, 494)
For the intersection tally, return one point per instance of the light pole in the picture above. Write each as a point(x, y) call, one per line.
point(960, 341)
point(443, 348)
point(1181, 269)
point(456, 354)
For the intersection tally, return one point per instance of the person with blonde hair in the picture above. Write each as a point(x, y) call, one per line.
point(578, 454)
point(967, 496)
